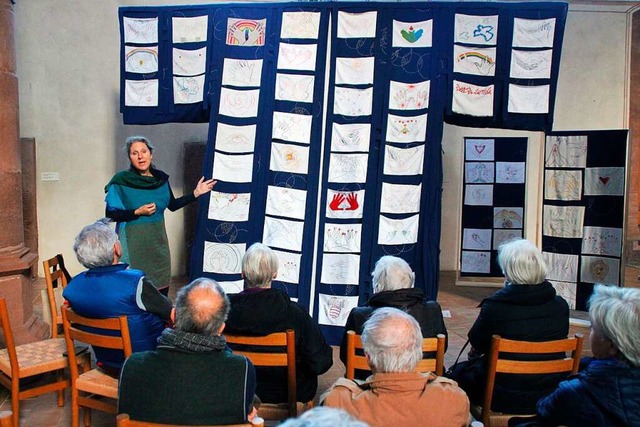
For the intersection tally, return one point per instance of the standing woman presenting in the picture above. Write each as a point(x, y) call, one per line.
point(136, 199)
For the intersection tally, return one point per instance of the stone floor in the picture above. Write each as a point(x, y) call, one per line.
point(459, 302)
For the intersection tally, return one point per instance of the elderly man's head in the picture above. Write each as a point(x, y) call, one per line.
point(202, 308)
point(392, 341)
point(97, 245)
point(259, 266)
point(392, 273)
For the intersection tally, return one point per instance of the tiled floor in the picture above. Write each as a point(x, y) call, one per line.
point(460, 302)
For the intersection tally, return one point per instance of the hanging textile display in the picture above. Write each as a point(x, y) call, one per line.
point(326, 142)
point(493, 203)
point(383, 127)
point(583, 211)
point(505, 66)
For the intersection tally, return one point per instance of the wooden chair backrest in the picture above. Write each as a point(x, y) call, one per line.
point(55, 275)
point(5, 324)
point(123, 420)
point(57, 263)
point(74, 329)
point(6, 419)
point(429, 345)
point(433, 364)
point(497, 364)
point(285, 358)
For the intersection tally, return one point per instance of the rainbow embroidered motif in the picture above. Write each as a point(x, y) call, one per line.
point(412, 35)
point(478, 55)
point(141, 60)
point(246, 32)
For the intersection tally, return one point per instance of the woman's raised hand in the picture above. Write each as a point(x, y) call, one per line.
point(203, 187)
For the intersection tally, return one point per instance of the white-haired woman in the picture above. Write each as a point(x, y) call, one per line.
point(261, 310)
point(606, 392)
point(393, 282)
point(137, 198)
point(323, 416)
point(527, 309)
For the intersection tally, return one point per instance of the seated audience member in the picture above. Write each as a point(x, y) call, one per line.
point(606, 392)
point(395, 395)
point(111, 289)
point(260, 310)
point(192, 378)
point(324, 416)
point(393, 287)
point(527, 309)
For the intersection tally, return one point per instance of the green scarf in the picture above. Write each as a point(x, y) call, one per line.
point(131, 178)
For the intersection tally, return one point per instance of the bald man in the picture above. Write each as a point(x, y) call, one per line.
point(192, 378)
point(395, 395)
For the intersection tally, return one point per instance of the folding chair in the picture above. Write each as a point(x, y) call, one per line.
point(429, 345)
point(89, 387)
point(498, 364)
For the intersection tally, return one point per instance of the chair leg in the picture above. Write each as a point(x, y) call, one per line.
point(60, 377)
point(15, 401)
point(87, 417)
point(75, 410)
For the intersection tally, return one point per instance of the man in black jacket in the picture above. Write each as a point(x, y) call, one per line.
point(260, 310)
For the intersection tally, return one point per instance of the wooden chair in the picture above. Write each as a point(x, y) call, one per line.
point(56, 277)
point(497, 364)
point(94, 384)
point(273, 358)
point(6, 419)
point(29, 360)
point(429, 345)
point(124, 421)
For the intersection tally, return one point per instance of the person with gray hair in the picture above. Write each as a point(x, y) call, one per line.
point(200, 381)
point(396, 395)
point(606, 391)
point(521, 263)
point(323, 416)
point(527, 308)
point(109, 288)
point(393, 282)
point(261, 310)
point(137, 198)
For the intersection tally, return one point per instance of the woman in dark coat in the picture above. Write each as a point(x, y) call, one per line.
point(526, 309)
point(606, 391)
point(260, 310)
point(393, 281)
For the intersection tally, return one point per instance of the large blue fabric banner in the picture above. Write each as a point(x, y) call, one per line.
point(326, 124)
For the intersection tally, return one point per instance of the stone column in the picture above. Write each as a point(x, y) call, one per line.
point(16, 260)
